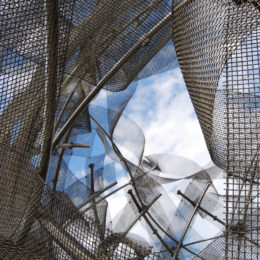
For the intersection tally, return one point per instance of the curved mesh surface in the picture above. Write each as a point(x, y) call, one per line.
point(74, 181)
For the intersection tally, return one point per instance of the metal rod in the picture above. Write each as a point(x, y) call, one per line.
point(91, 173)
point(92, 191)
point(70, 77)
point(148, 222)
point(117, 151)
point(95, 194)
point(202, 209)
point(65, 240)
point(189, 222)
point(108, 76)
point(72, 145)
point(143, 211)
point(57, 169)
point(103, 198)
point(203, 240)
point(243, 178)
point(131, 183)
point(183, 3)
point(50, 88)
point(64, 107)
point(171, 237)
point(114, 191)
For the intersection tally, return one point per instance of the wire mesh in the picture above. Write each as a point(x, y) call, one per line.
point(217, 43)
point(53, 54)
point(242, 92)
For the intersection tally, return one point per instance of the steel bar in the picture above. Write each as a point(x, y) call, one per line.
point(64, 107)
point(108, 76)
point(203, 240)
point(215, 218)
point(65, 240)
point(201, 208)
point(92, 191)
point(175, 256)
point(114, 191)
point(143, 211)
point(148, 222)
point(58, 164)
point(72, 145)
point(70, 77)
point(50, 88)
point(243, 178)
point(183, 3)
point(171, 237)
point(96, 194)
point(108, 195)
point(91, 173)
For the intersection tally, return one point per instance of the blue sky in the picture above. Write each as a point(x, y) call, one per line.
point(161, 106)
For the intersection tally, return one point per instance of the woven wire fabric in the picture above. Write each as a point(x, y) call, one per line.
point(43, 42)
point(217, 43)
point(53, 56)
point(241, 85)
point(32, 63)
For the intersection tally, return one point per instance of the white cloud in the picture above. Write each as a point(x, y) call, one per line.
point(163, 109)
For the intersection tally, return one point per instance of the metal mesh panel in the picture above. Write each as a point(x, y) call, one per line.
point(199, 37)
point(217, 43)
point(32, 47)
point(56, 56)
point(242, 94)
point(59, 231)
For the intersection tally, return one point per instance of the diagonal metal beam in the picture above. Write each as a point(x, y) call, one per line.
point(141, 213)
point(175, 256)
point(155, 232)
point(65, 240)
point(96, 194)
point(108, 76)
point(201, 208)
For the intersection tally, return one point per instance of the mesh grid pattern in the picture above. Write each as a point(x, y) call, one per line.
point(242, 94)
point(32, 60)
point(53, 54)
point(217, 43)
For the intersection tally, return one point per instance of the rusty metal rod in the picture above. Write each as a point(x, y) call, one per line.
point(72, 145)
point(65, 240)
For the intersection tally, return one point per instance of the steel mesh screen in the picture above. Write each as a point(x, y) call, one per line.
point(242, 77)
point(217, 43)
point(56, 56)
point(32, 47)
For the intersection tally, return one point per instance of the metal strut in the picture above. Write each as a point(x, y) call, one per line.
point(189, 222)
point(202, 209)
point(148, 221)
point(141, 213)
